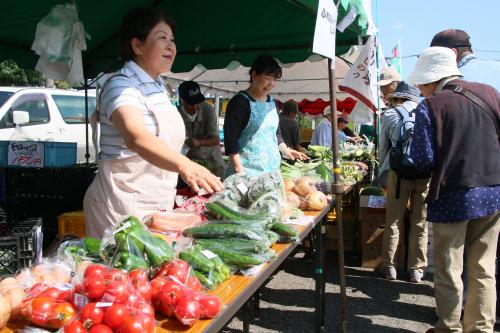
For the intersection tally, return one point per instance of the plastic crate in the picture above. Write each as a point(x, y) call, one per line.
point(20, 245)
point(72, 223)
point(56, 154)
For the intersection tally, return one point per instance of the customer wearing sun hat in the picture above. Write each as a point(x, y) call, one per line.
point(388, 81)
point(472, 68)
point(456, 137)
point(322, 135)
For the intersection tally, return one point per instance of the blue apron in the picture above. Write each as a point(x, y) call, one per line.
point(258, 142)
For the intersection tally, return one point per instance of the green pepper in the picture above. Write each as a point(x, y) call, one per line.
point(128, 237)
point(130, 262)
point(93, 245)
point(157, 250)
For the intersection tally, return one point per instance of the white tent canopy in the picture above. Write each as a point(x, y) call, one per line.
point(304, 80)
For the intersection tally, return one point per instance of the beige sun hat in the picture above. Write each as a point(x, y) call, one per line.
point(388, 75)
point(328, 110)
point(434, 64)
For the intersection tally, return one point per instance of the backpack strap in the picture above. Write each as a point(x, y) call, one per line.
point(478, 101)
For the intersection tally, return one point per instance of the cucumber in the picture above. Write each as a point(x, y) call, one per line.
point(197, 260)
point(222, 230)
point(283, 229)
point(238, 244)
point(205, 281)
point(238, 259)
point(230, 213)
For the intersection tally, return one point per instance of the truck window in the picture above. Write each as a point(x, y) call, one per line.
point(72, 108)
point(35, 105)
point(4, 96)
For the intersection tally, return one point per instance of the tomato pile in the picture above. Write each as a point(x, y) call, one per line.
point(108, 300)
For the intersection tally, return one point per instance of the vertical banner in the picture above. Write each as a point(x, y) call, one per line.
point(361, 78)
point(396, 58)
point(325, 31)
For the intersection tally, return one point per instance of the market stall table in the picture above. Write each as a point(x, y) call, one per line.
point(238, 290)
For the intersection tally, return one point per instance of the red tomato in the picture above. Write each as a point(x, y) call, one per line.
point(188, 311)
point(179, 272)
point(167, 310)
point(181, 264)
point(66, 296)
point(157, 285)
point(75, 327)
point(117, 275)
point(40, 310)
point(137, 322)
point(115, 315)
point(210, 306)
point(172, 292)
point(92, 315)
point(62, 313)
point(163, 270)
point(193, 283)
point(95, 269)
point(140, 281)
point(95, 287)
point(100, 329)
point(51, 292)
point(118, 290)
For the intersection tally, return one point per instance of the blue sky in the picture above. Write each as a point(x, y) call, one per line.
point(414, 23)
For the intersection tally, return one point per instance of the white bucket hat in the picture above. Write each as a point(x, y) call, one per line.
point(328, 110)
point(434, 64)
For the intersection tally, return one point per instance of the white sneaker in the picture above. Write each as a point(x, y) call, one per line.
point(416, 275)
point(390, 273)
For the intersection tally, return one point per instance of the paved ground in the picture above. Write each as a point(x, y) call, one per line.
point(374, 304)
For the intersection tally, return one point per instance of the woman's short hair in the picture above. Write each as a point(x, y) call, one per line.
point(138, 23)
point(266, 64)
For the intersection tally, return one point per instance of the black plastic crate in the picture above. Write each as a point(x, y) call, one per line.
point(20, 245)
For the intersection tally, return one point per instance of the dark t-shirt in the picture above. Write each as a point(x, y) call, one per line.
point(289, 131)
point(236, 120)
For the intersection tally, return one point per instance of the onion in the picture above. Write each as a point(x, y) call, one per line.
point(317, 200)
point(303, 203)
point(289, 185)
point(304, 186)
point(293, 199)
point(15, 298)
point(7, 283)
point(4, 311)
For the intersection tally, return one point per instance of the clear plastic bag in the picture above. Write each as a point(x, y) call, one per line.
point(130, 245)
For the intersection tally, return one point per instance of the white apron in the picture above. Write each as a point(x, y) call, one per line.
point(131, 185)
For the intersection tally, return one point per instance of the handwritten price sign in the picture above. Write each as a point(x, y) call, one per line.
point(26, 154)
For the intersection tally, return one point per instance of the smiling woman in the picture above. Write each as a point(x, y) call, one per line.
point(141, 132)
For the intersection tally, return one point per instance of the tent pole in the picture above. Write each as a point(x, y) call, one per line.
point(86, 87)
point(338, 190)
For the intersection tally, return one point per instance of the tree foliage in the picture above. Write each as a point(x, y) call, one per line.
point(12, 75)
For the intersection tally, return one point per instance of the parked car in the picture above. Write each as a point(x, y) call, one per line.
point(46, 114)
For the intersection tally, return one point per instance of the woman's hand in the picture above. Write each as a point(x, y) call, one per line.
point(294, 154)
point(197, 176)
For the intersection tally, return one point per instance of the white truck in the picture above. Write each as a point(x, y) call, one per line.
point(46, 114)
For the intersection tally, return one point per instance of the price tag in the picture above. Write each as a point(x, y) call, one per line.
point(103, 304)
point(209, 254)
point(64, 286)
point(123, 227)
point(376, 201)
point(242, 187)
point(303, 220)
point(80, 300)
point(26, 154)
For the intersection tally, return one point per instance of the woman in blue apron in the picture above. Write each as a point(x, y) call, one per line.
point(252, 138)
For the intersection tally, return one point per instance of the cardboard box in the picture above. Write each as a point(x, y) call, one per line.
point(372, 234)
point(372, 214)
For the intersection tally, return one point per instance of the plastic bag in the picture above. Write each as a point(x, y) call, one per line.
point(194, 204)
point(207, 266)
point(77, 251)
point(130, 245)
point(235, 190)
point(172, 222)
point(59, 40)
point(228, 230)
point(265, 183)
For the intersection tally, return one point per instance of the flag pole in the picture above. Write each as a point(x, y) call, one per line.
point(376, 118)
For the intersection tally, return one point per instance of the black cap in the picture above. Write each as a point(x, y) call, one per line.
point(189, 92)
point(451, 38)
